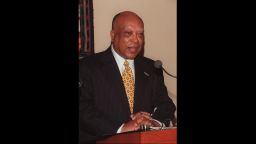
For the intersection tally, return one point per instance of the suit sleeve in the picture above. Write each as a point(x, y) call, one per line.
point(164, 105)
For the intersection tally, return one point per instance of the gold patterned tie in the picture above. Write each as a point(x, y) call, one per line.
point(128, 80)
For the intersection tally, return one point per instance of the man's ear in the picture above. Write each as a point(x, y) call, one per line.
point(112, 35)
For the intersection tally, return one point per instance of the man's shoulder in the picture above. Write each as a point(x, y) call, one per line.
point(148, 65)
point(94, 58)
point(148, 59)
point(87, 59)
point(145, 60)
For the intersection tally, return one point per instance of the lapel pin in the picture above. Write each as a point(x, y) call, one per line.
point(146, 74)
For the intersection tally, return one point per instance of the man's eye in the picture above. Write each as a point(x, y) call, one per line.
point(128, 33)
point(141, 34)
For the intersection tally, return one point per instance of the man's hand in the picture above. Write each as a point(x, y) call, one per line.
point(138, 119)
point(131, 125)
point(151, 121)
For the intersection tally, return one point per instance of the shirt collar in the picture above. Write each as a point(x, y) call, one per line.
point(120, 60)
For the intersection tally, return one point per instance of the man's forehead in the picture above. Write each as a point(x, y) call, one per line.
point(127, 17)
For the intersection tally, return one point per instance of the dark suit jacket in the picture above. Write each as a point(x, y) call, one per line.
point(103, 105)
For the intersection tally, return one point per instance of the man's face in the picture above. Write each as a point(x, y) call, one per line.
point(128, 36)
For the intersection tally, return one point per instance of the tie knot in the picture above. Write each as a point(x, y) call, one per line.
point(126, 63)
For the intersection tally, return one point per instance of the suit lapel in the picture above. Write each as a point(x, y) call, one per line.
point(141, 79)
point(113, 77)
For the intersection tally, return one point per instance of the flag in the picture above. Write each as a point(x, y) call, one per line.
point(85, 28)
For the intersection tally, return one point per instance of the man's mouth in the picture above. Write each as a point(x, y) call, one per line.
point(133, 48)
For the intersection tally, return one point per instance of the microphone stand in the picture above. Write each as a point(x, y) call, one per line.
point(168, 73)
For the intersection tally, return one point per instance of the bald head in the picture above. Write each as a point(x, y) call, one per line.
point(124, 15)
point(127, 34)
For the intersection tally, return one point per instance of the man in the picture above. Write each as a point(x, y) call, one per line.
point(107, 104)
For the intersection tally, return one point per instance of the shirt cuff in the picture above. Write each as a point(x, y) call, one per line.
point(119, 130)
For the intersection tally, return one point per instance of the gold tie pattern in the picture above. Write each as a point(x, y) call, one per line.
point(128, 80)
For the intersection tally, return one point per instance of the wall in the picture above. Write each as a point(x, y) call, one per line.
point(159, 18)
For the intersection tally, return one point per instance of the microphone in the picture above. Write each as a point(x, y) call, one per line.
point(158, 64)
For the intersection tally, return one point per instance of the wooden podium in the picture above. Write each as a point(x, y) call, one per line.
point(165, 136)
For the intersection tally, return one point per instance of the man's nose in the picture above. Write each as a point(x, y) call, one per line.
point(135, 38)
